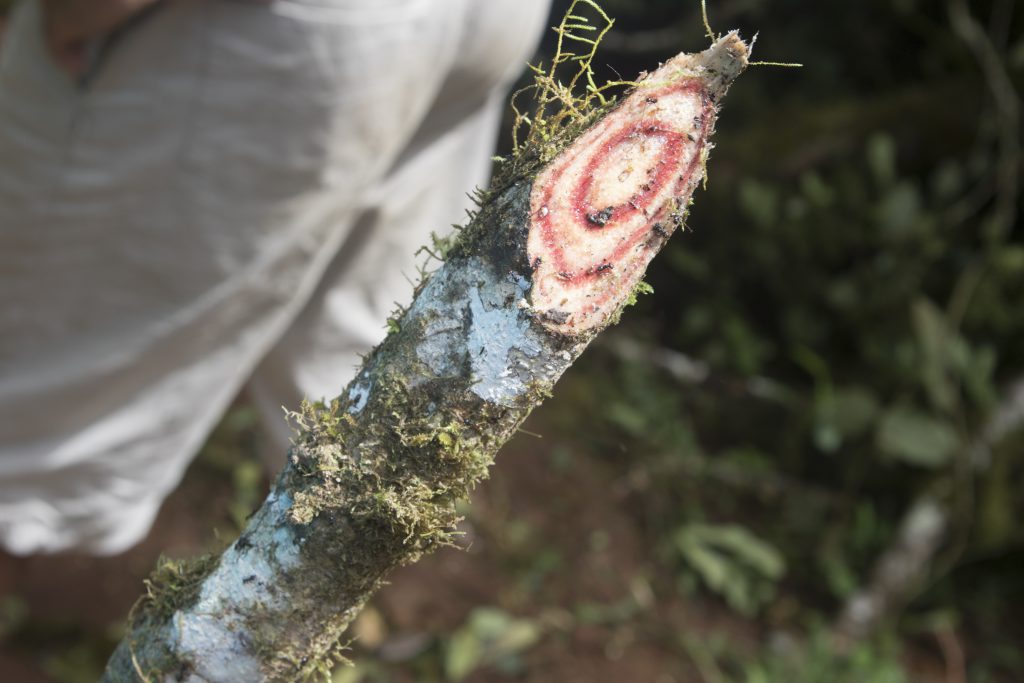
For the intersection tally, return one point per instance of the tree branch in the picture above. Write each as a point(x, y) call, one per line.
point(373, 479)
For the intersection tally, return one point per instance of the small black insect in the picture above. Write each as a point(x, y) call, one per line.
point(604, 267)
point(601, 218)
point(651, 100)
point(249, 579)
point(243, 542)
point(555, 316)
point(660, 230)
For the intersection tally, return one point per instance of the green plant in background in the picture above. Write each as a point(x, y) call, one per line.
point(831, 372)
point(489, 637)
point(489, 640)
point(841, 333)
point(815, 661)
point(732, 562)
point(232, 452)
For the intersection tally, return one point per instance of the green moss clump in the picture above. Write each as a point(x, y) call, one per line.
point(172, 586)
point(567, 97)
point(370, 495)
point(640, 289)
point(397, 474)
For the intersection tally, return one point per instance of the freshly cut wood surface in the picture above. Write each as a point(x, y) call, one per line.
point(607, 204)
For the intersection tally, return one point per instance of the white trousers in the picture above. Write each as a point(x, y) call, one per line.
point(234, 196)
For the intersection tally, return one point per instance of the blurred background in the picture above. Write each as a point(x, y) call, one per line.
point(800, 459)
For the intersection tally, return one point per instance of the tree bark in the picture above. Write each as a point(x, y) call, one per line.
point(373, 479)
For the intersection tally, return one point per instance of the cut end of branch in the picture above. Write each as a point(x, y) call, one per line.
point(607, 204)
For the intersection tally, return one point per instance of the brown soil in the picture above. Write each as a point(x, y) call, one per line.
point(551, 537)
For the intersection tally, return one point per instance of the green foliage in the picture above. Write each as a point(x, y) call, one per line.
point(849, 310)
point(173, 585)
point(232, 454)
point(489, 637)
point(638, 291)
point(816, 661)
point(916, 437)
point(732, 562)
point(565, 96)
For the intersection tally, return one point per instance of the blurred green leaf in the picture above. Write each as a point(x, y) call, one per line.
point(855, 409)
point(898, 209)
point(935, 341)
point(1009, 260)
point(747, 350)
point(462, 654)
point(842, 413)
point(607, 613)
point(998, 524)
point(488, 636)
point(630, 418)
point(881, 155)
point(816, 190)
point(13, 614)
point(839, 576)
point(759, 202)
point(977, 376)
point(947, 180)
point(916, 437)
point(732, 562)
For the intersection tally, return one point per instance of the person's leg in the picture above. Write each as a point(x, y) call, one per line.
point(425, 191)
point(162, 226)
